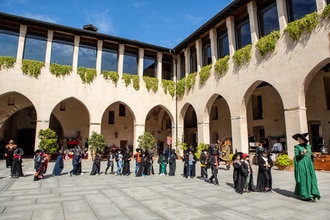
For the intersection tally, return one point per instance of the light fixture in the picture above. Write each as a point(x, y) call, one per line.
point(116, 134)
point(11, 100)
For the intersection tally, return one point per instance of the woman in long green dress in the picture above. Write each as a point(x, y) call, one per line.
point(306, 182)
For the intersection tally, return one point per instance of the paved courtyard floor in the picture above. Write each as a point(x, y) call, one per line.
point(153, 197)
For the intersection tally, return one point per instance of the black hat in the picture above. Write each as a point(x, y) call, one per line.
point(19, 151)
point(302, 136)
point(37, 151)
point(265, 151)
point(138, 149)
point(236, 154)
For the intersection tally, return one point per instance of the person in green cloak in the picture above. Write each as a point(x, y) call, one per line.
point(304, 173)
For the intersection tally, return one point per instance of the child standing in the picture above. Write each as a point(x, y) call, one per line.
point(110, 159)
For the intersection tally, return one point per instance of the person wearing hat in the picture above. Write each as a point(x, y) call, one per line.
point(172, 163)
point(306, 183)
point(237, 162)
point(16, 168)
point(203, 162)
point(264, 179)
point(96, 168)
point(59, 165)
point(9, 153)
point(214, 164)
point(245, 179)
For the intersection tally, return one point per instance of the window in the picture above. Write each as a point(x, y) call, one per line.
point(215, 113)
point(207, 54)
point(299, 8)
point(130, 62)
point(149, 65)
point(193, 60)
point(8, 41)
point(243, 33)
point(122, 110)
point(109, 57)
point(87, 53)
point(62, 49)
point(167, 67)
point(328, 1)
point(223, 45)
point(111, 120)
point(257, 107)
point(35, 45)
point(182, 66)
point(268, 19)
point(326, 84)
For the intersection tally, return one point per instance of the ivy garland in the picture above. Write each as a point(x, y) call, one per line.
point(326, 12)
point(181, 87)
point(267, 43)
point(7, 62)
point(168, 87)
point(60, 70)
point(222, 65)
point(204, 74)
point(136, 82)
point(127, 79)
point(243, 55)
point(296, 28)
point(87, 75)
point(151, 83)
point(114, 76)
point(32, 68)
point(190, 80)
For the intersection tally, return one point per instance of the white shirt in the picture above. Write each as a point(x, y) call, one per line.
point(277, 147)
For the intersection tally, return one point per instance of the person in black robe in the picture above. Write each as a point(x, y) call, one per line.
point(237, 161)
point(185, 161)
point(75, 163)
point(16, 168)
point(264, 179)
point(245, 178)
point(203, 162)
point(126, 166)
point(214, 164)
point(59, 165)
point(96, 165)
point(172, 163)
point(9, 153)
point(143, 165)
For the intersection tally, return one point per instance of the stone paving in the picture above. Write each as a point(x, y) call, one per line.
point(153, 197)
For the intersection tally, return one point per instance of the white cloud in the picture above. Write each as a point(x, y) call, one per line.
point(103, 21)
point(13, 2)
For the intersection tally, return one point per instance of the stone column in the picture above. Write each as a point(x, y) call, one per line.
point(99, 57)
point(230, 23)
point(240, 134)
point(159, 66)
point(282, 14)
point(295, 122)
point(187, 63)
point(75, 53)
point(213, 40)
point(320, 5)
point(121, 51)
point(140, 62)
point(252, 10)
point(49, 48)
point(178, 67)
point(21, 44)
point(199, 52)
point(41, 124)
point(203, 131)
point(139, 129)
point(179, 136)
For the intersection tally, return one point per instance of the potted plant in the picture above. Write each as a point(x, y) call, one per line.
point(146, 141)
point(284, 163)
point(48, 141)
point(96, 143)
point(180, 148)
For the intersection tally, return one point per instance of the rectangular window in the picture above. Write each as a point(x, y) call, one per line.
point(87, 53)
point(111, 120)
point(193, 60)
point(298, 8)
point(35, 45)
point(326, 84)
point(149, 65)
point(8, 41)
point(122, 110)
point(109, 57)
point(167, 67)
point(328, 1)
point(182, 66)
point(268, 19)
point(223, 45)
point(130, 62)
point(215, 113)
point(207, 54)
point(62, 49)
point(257, 108)
point(243, 33)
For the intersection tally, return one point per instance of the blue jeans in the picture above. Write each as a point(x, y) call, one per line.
point(190, 169)
point(119, 167)
point(137, 165)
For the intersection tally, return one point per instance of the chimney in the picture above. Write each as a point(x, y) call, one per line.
point(90, 27)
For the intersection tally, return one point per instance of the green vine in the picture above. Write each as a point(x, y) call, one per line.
point(32, 68)
point(296, 28)
point(151, 83)
point(87, 75)
point(222, 65)
point(190, 80)
point(168, 86)
point(7, 62)
point(243, 55)
point(136, 82)
point(267, 43)
point(114, 76)
point(127, 79)
point(204, 74)
point(181, 87)
point(60, 70)
point(326, 11)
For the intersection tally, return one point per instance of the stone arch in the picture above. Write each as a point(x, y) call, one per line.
point(189, 124)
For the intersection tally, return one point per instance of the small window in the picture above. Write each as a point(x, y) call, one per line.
point(111, 120)
point(182, 66)
point(215, 113)
point(257, 107)
point(243, 33)
point(223, 45)
point(298, 9)
point(193, 60)
point(207, 54)
point(122, 110)
point(268, 19)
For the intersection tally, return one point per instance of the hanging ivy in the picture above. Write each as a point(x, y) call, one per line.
point(267, 43)
point(32, 68)
point(114, 76)
point(151, 83)
point(7, 62)
point(243, 55)
point(87, 75)
point(60, 70)
point(204, 74)
point(181, 87)
point(127, 79)
point(136, 82)
point(168, 86)
point(296, 28)
point(222, 65)
point(326, 12)
point(190, 80)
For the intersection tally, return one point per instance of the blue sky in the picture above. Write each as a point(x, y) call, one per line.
point(160, 22)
